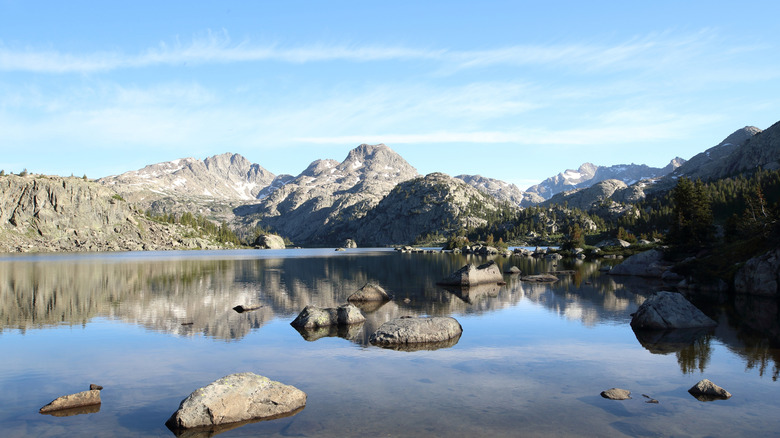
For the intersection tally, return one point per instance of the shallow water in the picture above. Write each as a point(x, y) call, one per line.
point(532, 360)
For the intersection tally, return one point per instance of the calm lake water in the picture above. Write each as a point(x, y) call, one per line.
point(532, 360)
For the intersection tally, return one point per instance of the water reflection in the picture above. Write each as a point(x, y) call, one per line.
point(691, 346)
point(196, 296)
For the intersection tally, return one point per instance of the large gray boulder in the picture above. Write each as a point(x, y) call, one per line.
point(669, 310)
point(269, 241)
point(313, 317)
point(705, 390)
point(369, 292)
point(645, 264)
point(471, 275)
point(234, 398)
point(78, 400)
point(349, 243)
point(412, 330)
point(760, 275)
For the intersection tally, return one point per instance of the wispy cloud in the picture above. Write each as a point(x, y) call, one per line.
point(217, 47)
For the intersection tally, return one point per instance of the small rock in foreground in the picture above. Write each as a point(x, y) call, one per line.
point(411, 330)
point(80, 399)
point(234, 398)
point(616, 394)
point(705, 390)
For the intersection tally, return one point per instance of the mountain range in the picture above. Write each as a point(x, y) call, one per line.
point(332, 200)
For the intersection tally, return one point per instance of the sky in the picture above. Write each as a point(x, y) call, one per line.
point(513, 90)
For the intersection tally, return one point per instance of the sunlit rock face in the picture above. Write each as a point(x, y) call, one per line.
point(50, 213)
point(315, 206)
point(435, 203)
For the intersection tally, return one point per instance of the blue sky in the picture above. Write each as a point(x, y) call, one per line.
point(512, 90)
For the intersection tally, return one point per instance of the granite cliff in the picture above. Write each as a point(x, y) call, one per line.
point(51, 213)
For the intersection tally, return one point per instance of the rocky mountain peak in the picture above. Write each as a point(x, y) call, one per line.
point(328, 194)
point(221, 177)
point(319, 167)
point(740, 135)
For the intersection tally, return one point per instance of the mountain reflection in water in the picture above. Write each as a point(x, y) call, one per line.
point(532, 356)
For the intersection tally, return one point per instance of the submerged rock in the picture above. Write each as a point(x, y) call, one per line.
point(241, 308)
point(540, 278)
point(705, 390)
point(669, 310)
point(369, 292)
point(312, 317)
point(235, 398)
point(514, 270)
point(413, 330)
point(78, 400)
point(471, 275)
point(616, 394)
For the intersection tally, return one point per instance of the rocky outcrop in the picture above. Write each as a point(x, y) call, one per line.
point(72, 401)
point(315, 207)
point(349, 243)
point(414, 330)
point(435, 203)
point(645, 264)
point(760, 275)
point(669, 310)
point(501, 190)
point(313, 317)
point(369, 292)
point(613, 242)
point(49, 213)
point(705, 390)
point(235, 398)
point(587, 198)
point(269, 241)
point(471, 275)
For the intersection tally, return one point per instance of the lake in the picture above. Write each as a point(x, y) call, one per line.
point(151, 327)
